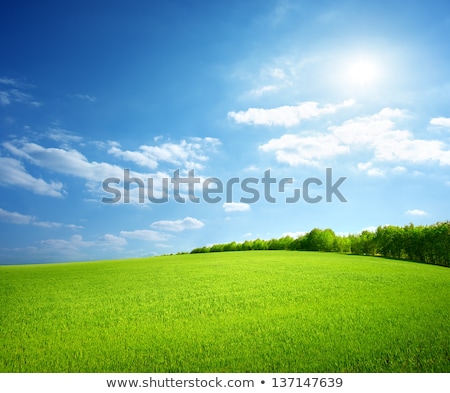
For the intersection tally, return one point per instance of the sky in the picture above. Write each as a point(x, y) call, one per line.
point(141, 128)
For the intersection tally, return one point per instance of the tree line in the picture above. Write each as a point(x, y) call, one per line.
point(426, 244)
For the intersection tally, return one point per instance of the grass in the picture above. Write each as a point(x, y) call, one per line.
point(259, 311)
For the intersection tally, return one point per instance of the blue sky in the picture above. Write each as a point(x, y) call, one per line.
point(229, 90)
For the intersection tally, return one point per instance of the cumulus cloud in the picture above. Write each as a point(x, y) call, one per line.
point(145, 234)
point(62, 135)
point(294, 235)
point(23, 219)
point(399, 170)
point(137, 157)
point(286, 116)
point(15, 174)
point(85, 97)
point(308, 150)
point(67, 161)
point(70, 161)
point(62, 160)
point(440, 121)
point(178, 225)
point(416, 212)
point(262, 90)
point(189, 154)
point(75, 248)
point(369, 169)
point(4, 98)
point(10, 82)
point(277, 73)
point(15, 218)
point(235, 207)
point(377, 134)
point(112, 240)
point(14, 91)
point(77, 242)
point(370, 228)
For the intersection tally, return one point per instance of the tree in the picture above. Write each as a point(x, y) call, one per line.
point(319, 240)
point(230, 246)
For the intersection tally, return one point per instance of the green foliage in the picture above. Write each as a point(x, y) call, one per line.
point(260, 311)
point(319, 240)
point(343, 244)
point(427, 244)
point(217, 248)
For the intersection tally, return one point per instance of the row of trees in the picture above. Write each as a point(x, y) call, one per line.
point(427, 244)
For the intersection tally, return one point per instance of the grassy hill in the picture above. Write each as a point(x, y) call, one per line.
point(259, 311)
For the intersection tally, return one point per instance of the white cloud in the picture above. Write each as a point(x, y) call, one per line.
point(251, 168)
point(294, 235)
point(85, 97)
point(135, 156)
point(401, 147)
point(416, 212)
point(190, 155)
point(23, 219)
point(269, 79)
point(71, 162)
point(369, 169)
point(15, 218)
point(145, 234)
point(15, 174)
point(64, 160)
point(67, 161)
point(61, 135)
point(4, 98)
point(236, 207)
point(112, 240)
point(375, 172)
point(51, 224)
point(24, 98)
point(263, 90)
point(178, 225)
point(61, 244)
point(76, 242)
point(440, 121)
point(163, 245)
point(398, 170)
point(277, 73)
point(74, 249)
point(370, 228)
point(308, 150)
point(377, 134)
point(15, 93)
point(286, 116)
point(10, 82)
point(365, 130)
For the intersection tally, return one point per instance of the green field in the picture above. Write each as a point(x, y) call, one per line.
point(258, 311)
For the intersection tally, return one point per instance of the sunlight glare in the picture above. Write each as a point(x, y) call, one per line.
point(362, 72)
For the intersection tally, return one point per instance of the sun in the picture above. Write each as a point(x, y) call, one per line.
point(363, 72)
